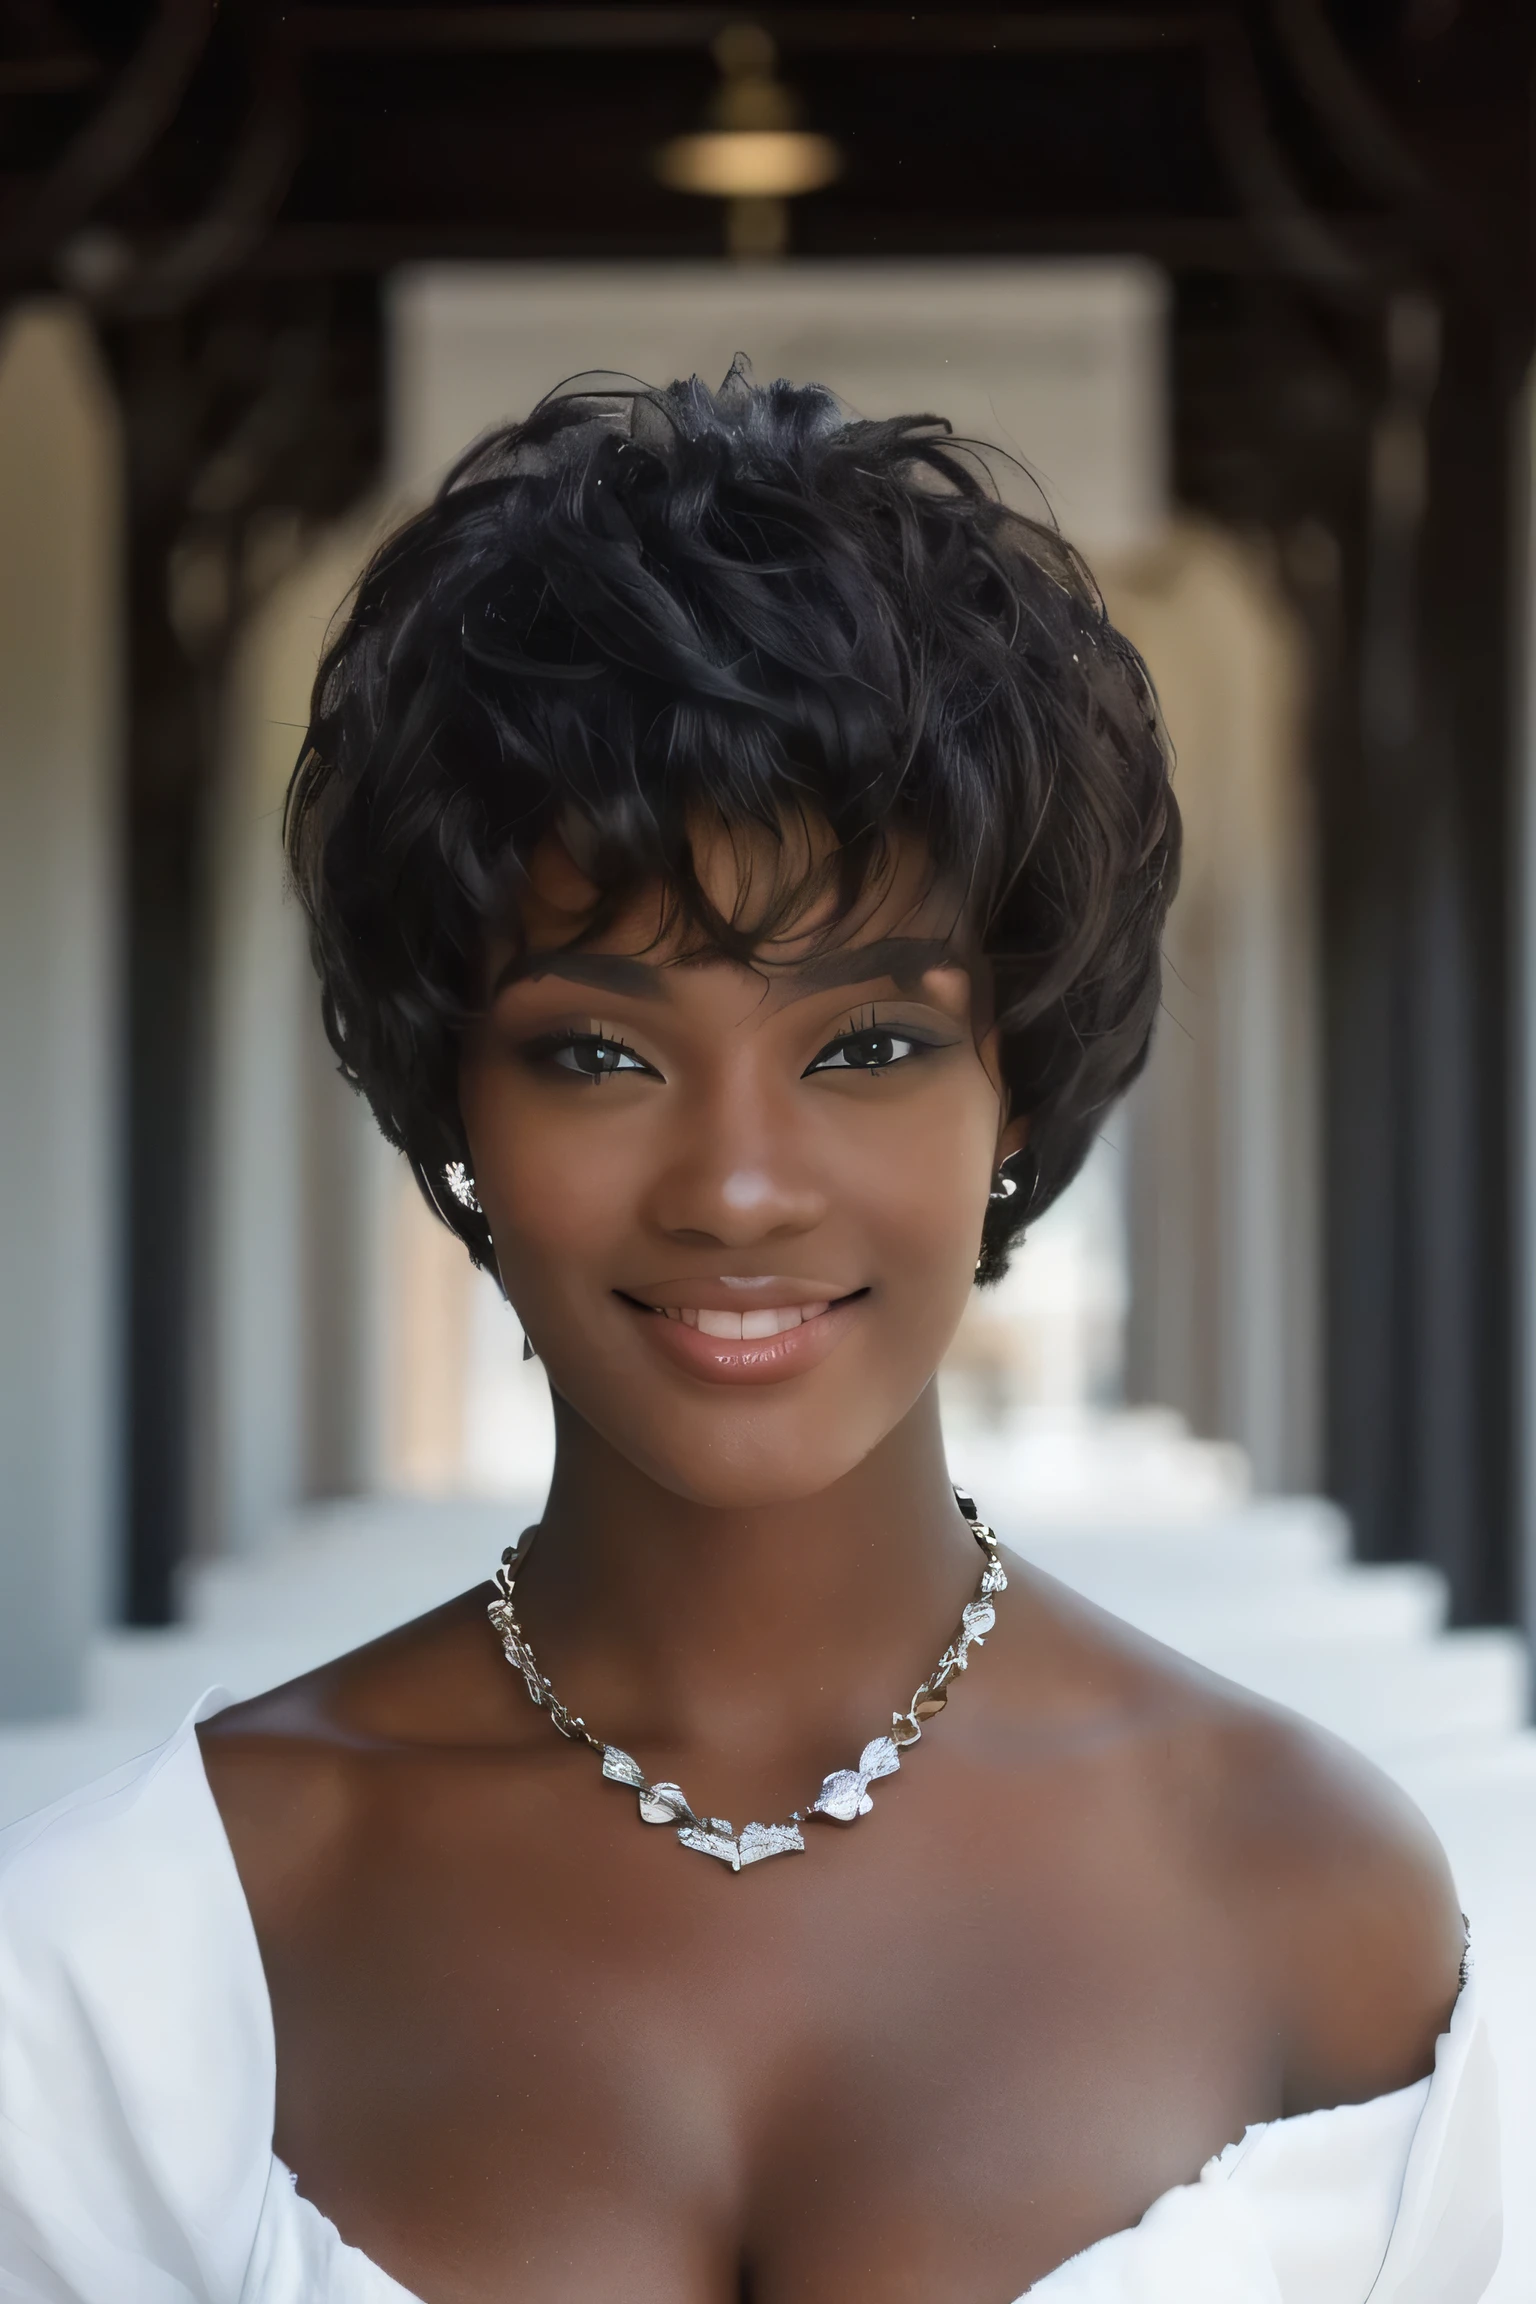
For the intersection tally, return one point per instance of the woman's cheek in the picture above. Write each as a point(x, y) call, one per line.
point(937, 1176)
point(559, 1183)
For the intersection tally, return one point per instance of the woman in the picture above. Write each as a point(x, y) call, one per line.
point(736, 850)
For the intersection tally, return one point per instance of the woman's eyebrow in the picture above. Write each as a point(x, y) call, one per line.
point(604, 971)
point(905, 960)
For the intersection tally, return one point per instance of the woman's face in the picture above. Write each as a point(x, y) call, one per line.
point(737, 1210)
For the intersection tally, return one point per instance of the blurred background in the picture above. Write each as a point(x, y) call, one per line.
point(1247, 293)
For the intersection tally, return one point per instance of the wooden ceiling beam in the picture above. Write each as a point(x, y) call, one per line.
point(848, 31)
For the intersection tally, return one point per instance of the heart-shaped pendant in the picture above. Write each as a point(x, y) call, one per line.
point(666, 1804)
point(844, 1795)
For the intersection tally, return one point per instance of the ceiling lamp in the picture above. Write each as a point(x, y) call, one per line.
point(752, 152)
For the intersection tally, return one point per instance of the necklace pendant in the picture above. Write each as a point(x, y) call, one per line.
point(620, 1769)
point(760, 1840)
point(978, 1620)
point(756, 1842)
point(707, 1835)
point(665, 1804)
point(844, 1795)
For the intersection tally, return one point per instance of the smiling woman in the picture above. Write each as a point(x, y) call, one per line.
point(736, 849)
point(790, 1156)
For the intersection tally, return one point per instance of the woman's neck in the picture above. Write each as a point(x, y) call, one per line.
point(762, 1626)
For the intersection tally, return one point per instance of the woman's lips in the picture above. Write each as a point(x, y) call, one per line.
point(740, 1346)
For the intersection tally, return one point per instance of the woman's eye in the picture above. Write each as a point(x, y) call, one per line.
point(873, 1050)
point(593, 1059)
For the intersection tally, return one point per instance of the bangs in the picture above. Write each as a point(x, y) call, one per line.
point(791, 880)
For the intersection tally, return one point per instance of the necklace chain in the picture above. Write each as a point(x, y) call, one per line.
point(844, 1796)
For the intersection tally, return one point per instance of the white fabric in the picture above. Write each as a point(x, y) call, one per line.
point(137, 2082)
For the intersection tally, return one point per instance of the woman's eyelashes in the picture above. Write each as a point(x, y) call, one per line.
point(594, 1056)
point(870, 1046)
point(595, 1053)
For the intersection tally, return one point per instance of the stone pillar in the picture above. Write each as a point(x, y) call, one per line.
point(1221, 1131)
point(61, 1150)
point(292, 1394)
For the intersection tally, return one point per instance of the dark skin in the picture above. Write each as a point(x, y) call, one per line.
point(1110, 1912)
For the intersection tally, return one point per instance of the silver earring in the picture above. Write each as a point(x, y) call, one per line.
point(462, 1185)
point(1003, 1187)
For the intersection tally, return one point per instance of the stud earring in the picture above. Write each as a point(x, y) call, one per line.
point(1004, 1186)
point(462, 1185)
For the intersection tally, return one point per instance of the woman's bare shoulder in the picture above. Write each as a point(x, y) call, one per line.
point(417, 1682)
point(1352, 1902)
point(1343, 1892)
point(293, 1769)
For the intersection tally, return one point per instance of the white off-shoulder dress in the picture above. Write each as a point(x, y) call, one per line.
point(137, 2080)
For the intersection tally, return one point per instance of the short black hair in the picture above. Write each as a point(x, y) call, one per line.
point(645, 607)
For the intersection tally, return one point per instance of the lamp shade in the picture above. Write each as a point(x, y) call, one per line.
point(749, 163)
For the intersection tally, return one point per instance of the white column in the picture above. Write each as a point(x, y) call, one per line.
point(300, 1175)
point(61, 1143)
point(1221, 1130)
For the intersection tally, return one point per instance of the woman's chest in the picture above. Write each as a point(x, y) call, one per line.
point(901, 2065)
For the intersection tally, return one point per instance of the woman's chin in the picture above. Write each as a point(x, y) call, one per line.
point(754, 1463)
point(759, 1461)
point(751, 1481)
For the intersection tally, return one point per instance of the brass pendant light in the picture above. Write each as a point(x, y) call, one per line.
point(752, 152)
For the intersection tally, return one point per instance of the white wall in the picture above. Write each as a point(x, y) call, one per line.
point(61, 997)
point(1061, 363)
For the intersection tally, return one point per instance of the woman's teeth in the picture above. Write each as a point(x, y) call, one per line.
point(743, 1327)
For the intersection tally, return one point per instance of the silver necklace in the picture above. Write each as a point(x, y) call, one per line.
point(844, 1796)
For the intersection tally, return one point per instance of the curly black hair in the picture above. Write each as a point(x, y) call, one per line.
point(644, 607)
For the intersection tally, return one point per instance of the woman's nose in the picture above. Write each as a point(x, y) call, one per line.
point(737, 1175)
